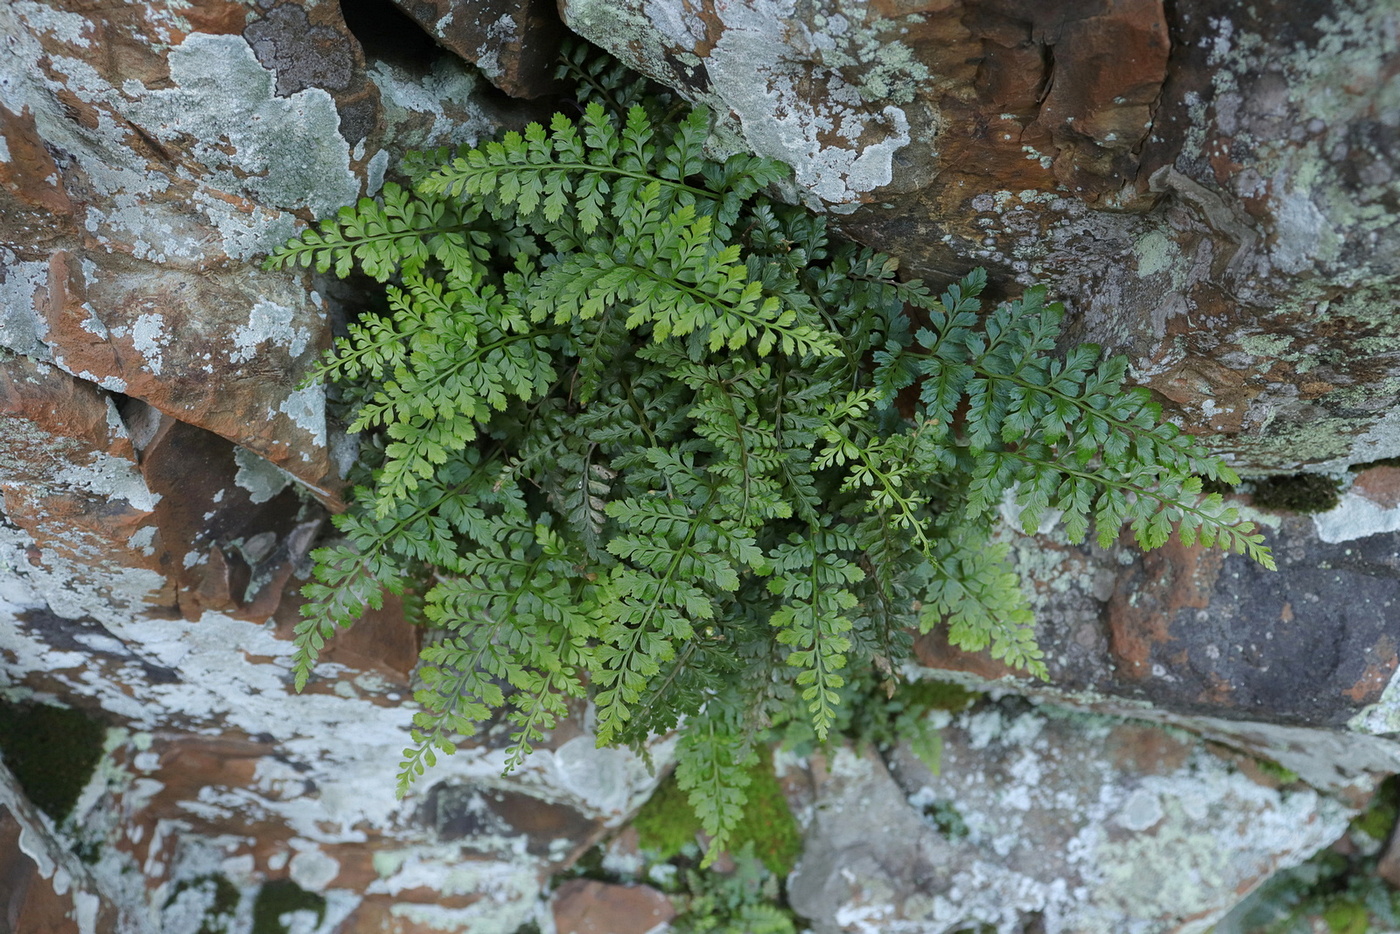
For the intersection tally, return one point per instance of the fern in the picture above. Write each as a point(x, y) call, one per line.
point(642, 436)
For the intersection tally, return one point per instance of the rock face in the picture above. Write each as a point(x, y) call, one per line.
point(163, 478)
point(1194, 630)
point(1213, 191)
point(1043, 821)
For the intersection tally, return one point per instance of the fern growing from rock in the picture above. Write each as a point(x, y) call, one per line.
point(638, 434)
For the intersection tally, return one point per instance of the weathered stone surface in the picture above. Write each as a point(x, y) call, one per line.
point(1213, 192)
point(43, 886)
point(69, 479)
point(221, 771)
point(28, 901)
point(151, 152)
point(1194, 631)
point(583, 906)
point(515, 43)
point(1044, 820)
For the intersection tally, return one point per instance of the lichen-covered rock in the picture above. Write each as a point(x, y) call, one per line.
point(149, 154)
point(1213, 192)
point(1048, 821)
point(1195, 632)
point(514, 42)
point(44, 886)
point(219, 769)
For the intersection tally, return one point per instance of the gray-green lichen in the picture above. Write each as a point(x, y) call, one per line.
point(841, 144)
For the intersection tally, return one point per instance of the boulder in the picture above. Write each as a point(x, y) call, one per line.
point(1046, 820)
point(583, 906)
point(1211, 191)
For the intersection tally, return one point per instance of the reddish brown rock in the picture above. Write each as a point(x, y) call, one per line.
point(1381, 485)
point(44, 887)
point(1212, 193)
point(583, 906)
point(515, 43)
point(28, 901)
point(68, 478)
point(37, 209)
point(234, 374)
point(381, 640)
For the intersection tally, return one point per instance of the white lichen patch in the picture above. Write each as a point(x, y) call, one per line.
point(1382, 717)
point(111, 477)
point(22, 329)
point(149, 337)
point(1156, 252)
point(840, 142)
point(511, 893)
point(306, 407)
point(607, 783)
point(71, 28)
point(268, 322)
point(1355, 517)
point(260, 477)
point(254, 155)
point(311, 868)
point(407, 99)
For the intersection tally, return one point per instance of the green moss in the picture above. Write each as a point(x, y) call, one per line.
point(52, 752)
point(280, 897)
point(929, 695)
point(768, 822)
point(666, 824)
point(1378, 819)
point(946, 818)
point(1347, 917)
point(223, 903)
point(1303, 492)
point(1279, 773)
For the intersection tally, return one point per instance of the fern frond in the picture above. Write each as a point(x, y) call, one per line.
point(383, 236)
point(812, 578)
point(712, 760)
point(977, 594)
point(635, 432)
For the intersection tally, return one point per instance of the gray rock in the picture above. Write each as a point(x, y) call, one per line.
point(1042, 820)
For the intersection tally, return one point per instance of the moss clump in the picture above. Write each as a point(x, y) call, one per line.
point(929, 694)
point(1279, 773)
point(1303, 492)
point(52, 752)
point(280, 897)
point(223, 903)
point(1380, 816)
point(768, 822)
point(666, 824)
point(944, 816)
